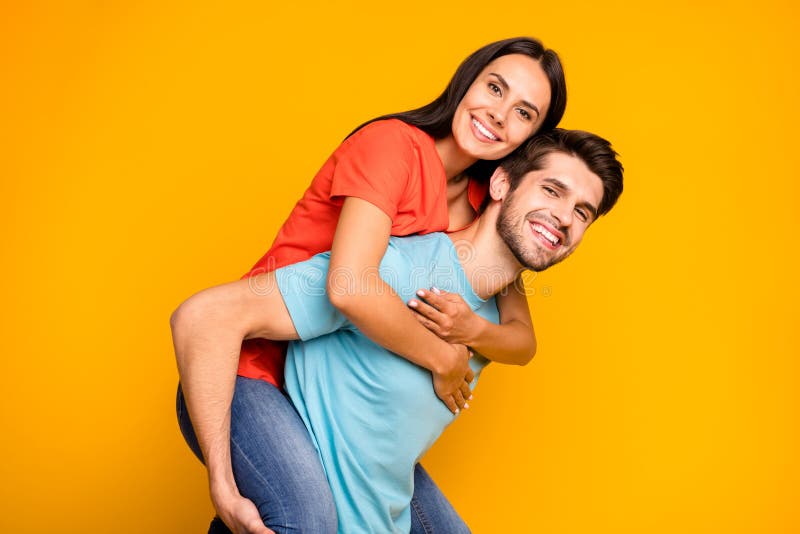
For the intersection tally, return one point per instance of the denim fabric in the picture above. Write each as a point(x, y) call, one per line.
point(371, 414)
point(431, 512)
point(276, 466)
point(274, 462)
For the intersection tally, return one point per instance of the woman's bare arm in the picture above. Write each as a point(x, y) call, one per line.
point(356, 289)
point(513, 341)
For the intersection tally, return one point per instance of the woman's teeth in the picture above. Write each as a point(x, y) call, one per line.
point(483, 130)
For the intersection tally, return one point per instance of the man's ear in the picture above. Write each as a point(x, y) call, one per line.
point(499, 184)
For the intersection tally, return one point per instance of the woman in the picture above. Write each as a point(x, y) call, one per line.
point(397, 175)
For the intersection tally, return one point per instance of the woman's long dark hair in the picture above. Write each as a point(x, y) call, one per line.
point(436, 118)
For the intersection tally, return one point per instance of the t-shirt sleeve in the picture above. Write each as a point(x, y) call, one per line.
point(302, 286)
point(375, 164)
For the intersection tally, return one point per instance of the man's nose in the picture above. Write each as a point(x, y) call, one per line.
point(563, 213)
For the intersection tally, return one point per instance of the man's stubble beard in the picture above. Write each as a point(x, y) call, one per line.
point(513, 235)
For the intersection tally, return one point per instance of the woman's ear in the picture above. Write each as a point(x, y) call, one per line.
point(499, 184)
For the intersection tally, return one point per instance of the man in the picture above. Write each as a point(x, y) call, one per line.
point(372, 414)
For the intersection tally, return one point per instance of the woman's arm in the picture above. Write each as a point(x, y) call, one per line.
point(513, 341)
point(207, 332)
point(356, 289)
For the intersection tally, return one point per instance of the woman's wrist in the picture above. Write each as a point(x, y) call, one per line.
point(473, 330)
point(445, 360)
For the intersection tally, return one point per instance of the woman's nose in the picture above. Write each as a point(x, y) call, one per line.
point(498, 116)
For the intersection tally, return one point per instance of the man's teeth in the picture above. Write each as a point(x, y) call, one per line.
point(483, 130)
point(543, 231)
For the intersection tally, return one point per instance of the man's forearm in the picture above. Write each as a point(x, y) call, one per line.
point(207, 352)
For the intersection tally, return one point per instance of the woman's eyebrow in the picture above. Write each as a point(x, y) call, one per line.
point(504, 83)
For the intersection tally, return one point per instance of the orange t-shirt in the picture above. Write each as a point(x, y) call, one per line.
point(390, 164)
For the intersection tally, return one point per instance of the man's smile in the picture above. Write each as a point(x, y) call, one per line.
point(550, 237)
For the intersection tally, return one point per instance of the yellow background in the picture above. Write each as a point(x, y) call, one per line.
point(149, 150)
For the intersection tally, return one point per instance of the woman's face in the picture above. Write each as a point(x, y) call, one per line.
point(504, 106)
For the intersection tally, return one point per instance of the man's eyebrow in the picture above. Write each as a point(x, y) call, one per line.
point(504, 83)
point(561, 185)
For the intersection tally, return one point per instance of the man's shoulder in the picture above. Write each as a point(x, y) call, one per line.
point(423, 246)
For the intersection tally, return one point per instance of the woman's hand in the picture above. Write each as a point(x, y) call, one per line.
point(446, 315)
point(356, 289)
point(449, 317)
point(452, 377)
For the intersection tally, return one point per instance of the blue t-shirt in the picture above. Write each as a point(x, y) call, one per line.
point(371, 413)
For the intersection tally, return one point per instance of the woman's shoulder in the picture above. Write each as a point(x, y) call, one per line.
point(391, 131)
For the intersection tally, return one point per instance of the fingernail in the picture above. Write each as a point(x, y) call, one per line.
point(421, 293)
point(466, 406)
point(457, 410)
point(412, 303)
point(436, 291)
point(470, 397)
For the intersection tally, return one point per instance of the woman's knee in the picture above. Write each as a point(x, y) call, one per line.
point(316, 516)
point(289, 505)
point(275, 462)
point(185, 424)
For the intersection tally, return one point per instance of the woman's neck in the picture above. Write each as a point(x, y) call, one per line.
point(459, 209)
point(453, 158)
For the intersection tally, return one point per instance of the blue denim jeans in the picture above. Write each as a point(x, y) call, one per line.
point(277, 467)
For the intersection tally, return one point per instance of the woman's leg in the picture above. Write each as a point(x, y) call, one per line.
point(431, 512)
point(275, 464)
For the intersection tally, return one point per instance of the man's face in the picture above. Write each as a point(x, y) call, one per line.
point(544, 219)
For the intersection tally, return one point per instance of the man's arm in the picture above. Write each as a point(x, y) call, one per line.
point(207, 332)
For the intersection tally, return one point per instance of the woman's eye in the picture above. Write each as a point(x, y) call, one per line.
point(494, 88)
point(524, 114)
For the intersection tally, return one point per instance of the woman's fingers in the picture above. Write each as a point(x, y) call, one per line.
point(451, 405)
point(425, 309)
point(427, 323)
point(440, 300)
point(461, 402)
point(470, 376)
point(465, 391)
point(434, 298)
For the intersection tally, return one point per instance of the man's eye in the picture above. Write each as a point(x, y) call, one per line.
point(550, 191)
point(495, 88)
point(581, 214)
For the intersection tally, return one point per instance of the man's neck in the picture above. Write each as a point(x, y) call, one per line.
point(487, 261)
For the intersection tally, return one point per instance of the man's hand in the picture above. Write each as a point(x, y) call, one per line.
point(446, 315)
point(452, 378)
point(239, 514)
